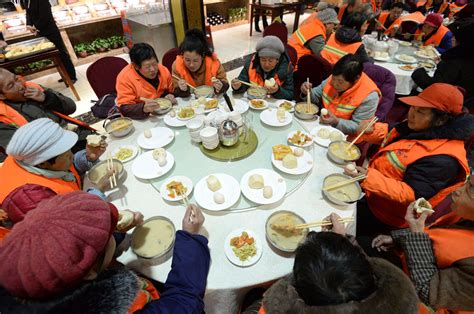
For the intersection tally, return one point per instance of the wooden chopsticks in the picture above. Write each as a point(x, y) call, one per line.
point(186, 204)
point(345, 182)
point(322, 223)
point(110, 167)
point(308, 102)
point(178, 78)
point(371, 123)
point(248, 84)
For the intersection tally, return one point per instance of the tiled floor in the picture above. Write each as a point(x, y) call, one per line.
point(229, 44)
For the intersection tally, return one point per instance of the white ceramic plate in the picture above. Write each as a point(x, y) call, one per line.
point(239, 106)
point(422, 56)
point(270, 178)
point(184, 180)
point(160, 138)
point(146, 167)
point(265, 105)
point(195, 105)
point(134, 149)
point(280, 101)
point(321, 141)
point(230, 253)
point(382, 59)
point(404, 43)
point(269, 117)
point(205, 197)
point(409, 59)
point(305, 164)
point(308, 143)
point(174, 122)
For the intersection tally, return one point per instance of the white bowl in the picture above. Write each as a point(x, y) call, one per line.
point(195, 124)
point(208, 133)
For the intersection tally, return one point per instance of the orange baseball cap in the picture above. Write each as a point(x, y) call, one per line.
point(441, 96)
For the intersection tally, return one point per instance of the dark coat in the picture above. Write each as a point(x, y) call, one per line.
point(456, 68)
point(38, 13)
point(386, 82)
point(349, 36)
point(395, 294)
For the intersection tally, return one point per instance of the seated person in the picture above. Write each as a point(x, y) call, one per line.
point(347, 40)
point(349, 95)
point(455, 7)
point(69, 238)
point(144, 78)
point(40, 153)
point(422, 157)
point(332, 275)
point(440, 256)
point(434, 6)
point(433, 32)
point(22, 102)
point(310, 37)
point(269, 61)
point(457, 65)
point(387, 19)
point(197, 65)
point(350, 7)
point(406, 26)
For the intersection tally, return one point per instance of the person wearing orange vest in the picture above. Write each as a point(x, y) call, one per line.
point(40, 153)
point(145, 78)
point(422, 157)
point(347, 40)
point(197, 65)
point(456, 6)
point(331, 274)
point(387, 19)
point(68, 240)
point(406, 25)
point(348, 95)
point(440, 256)
point(437, 6)
point(310, 37)
point(433, 32)
point(22, 102)
point(351, 6)
point(269, 67)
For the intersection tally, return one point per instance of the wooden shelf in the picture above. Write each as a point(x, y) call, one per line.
point(228, 25)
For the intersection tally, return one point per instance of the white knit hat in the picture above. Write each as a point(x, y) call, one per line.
point(327, 16)
point(39, 141)
point(270, 46)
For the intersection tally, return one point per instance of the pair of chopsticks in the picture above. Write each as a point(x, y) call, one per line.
point(308, 102)
point(380, 24)
point(345, 182)
point(178, 78)
point(248, 84)
point(371, 123)
point(186, 204)
point(110, 167)
point(322, 223)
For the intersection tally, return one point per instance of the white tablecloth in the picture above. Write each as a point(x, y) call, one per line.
point(405, 83)
point(226, 283)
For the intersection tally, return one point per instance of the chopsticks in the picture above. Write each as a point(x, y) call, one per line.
point(248, 84)
point(322, 223)
point(380, 24)
point(345, 182)
point(110, 167)
point(308, 102)
point(371, 123)
point(186, 204)
point(178, 78)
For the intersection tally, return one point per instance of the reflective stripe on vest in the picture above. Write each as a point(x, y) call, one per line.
point(343, 106)
point(334, 50)
point(256, 78)
point(436, 38)
point(212, 65)
point(310, 28)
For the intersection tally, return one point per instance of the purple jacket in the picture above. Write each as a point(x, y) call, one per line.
point(386, 82)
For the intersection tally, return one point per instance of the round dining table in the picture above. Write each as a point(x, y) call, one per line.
point(226, 282)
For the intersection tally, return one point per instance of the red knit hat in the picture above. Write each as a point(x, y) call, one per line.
point(56, 245)
point(434, 19)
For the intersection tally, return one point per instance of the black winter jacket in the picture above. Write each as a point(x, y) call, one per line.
point(349, 36)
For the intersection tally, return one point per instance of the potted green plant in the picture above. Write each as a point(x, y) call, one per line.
point(101, 44)
point(81, 50)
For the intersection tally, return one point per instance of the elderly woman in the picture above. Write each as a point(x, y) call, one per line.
point(440, 256)
point(422, 157)
point(40, 153)
point(348, 95)
point(269, 62)
point(433, 32)
point(197, 65)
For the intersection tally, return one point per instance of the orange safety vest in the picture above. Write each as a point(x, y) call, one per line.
point(383, 18)
point(334, 50)
point(310, 28)
point(10, 116)
point(436, 38)
point(344, 105)
point(341, 12)
point(454, 8)
point(256, 78)
point(12, 175)
point(392, 161)
point(212, 65)
point(146, 294)
point(417, 17)
point(131, 85)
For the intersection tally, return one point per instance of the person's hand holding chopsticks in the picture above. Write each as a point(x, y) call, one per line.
point(104, 183)
point(336, 227)
point(305, 87)
point(236, 84)
point(193, 219)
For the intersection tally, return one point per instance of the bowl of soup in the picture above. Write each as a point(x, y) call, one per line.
point(119, 127)
point(281, 232)
point(101, 169)
point(204, 91)
point(256, 93)
point(154, 239)
point(306, 112)
point(344, 195)
point(340, 152)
